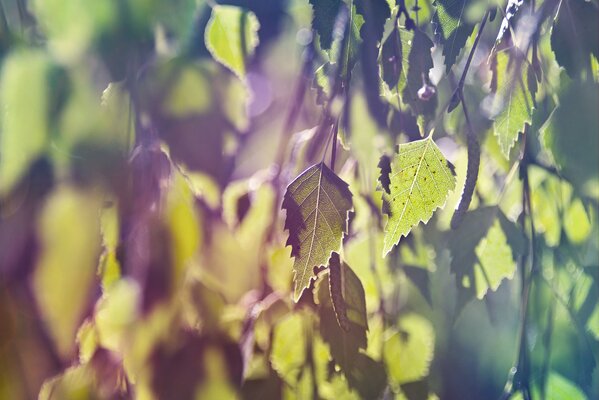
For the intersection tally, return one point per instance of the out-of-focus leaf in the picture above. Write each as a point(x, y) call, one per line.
point(513, 100)
point(452, 28)
point(69, 232)
point(118, 308)
point(575, 35)
point(420, 180)
point(375, 13)
point(72, 25)
point(483, 251)
point(192, 366)
point(232, 36)
point(414, 63)
point(344, 344)
point(408, 353)
point(574, 123)
point(289, 347)
point(511, 9)
point(318, 203)
point(323, 20)
point(576, 222)
point(25, 107)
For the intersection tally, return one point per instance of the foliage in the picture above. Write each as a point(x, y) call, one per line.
point(361, 199)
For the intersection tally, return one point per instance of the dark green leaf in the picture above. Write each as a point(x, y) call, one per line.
point(318, 203)
point(323, 21)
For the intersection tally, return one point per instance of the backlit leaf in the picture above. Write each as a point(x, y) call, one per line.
point(24, 97)
point(420, 180)
point(232, 36)
point(318, 203)
point(69, 232)
point(409, 352)
point(452, 28)
point(513, 99)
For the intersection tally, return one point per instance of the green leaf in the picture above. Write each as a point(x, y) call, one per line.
point(289, 348)
point(416, 63)
point(345, 339)
point(452, 28)
point(409, 352)
point(571, 136)
point(24, 97)
point(323, 21)
point(513, 100)
point(318, 203)
point(231, 37)
point(69, 234)
point(420, 180)
point(575, 35)
point(483, 251)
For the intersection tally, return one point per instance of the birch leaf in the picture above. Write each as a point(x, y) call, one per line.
point(318, 203)
point(420, 179)
point(231, 36)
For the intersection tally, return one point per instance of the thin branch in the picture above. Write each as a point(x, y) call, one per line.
point(472, 169)
point(457, 94)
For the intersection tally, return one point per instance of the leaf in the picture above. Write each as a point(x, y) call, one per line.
point(416, 63)
point(318, 203)
point(69, 234)
point(24, 100)
point(575, 35)
point(420, 180)
point(513, 99)
point(323, 20)
point(231, 37)
point(570, 135)
point(511, 9)
point(375, 13)
point(483, 252)
point(289, 348)
point(344, 341)
point(408, 353)
point(452, 28)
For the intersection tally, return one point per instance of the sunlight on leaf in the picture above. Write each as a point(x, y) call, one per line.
point(24, 100)
point(69, 232)
point(408, 353)
point(231, 37)
point(420, 181)
point(513, 99)
point(318, 203)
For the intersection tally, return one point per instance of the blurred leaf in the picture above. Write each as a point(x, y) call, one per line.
point(289, 348)
point(323, 20)
point(452, 28)
point(514, 102)
point(420, 180)
point(318, 203)
point(232, 36)
point(572, 124)
point(414, 61)
point(511, 9)
point(25, 114)
point(483, 250)
point(575, 35)
point(69, 232)
point(115, 313)
point(408, 352)
point(343, 342)
point(577, 224)
point(72, 25)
